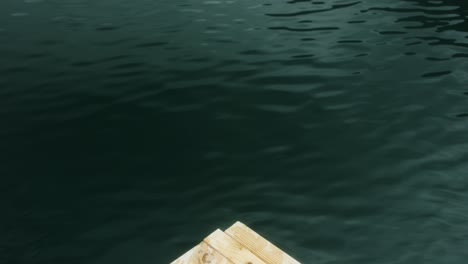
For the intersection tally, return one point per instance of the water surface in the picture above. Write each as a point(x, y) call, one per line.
point(132, 129)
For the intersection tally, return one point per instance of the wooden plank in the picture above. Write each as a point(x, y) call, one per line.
point(232, 249)
point(259, 245)
point(202, 254)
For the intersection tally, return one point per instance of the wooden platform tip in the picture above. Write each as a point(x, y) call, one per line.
point(237, 245)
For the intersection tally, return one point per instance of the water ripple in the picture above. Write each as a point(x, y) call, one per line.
point(305, 29)
point(300, 13)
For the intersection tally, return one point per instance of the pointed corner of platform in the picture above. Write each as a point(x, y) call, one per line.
point(237, 245)
point(239, 223)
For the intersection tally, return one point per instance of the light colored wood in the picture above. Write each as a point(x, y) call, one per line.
point(232, 249)
point(202, 254)
point(237, 245)
point(259, 245)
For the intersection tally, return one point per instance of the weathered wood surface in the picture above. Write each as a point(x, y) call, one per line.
point(232, 249)
point(259, 245)
point(237, 245)
point(202, 254)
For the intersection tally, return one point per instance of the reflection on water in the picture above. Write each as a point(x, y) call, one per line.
point(131, 129)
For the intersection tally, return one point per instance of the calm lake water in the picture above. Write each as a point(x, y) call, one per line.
point(132, 129)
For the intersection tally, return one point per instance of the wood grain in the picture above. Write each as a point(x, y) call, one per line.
point(237, 245)
point(202, 254)
point(232, 249)
point(259, 245)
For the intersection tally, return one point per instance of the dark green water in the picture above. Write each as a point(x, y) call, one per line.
point(132, 129)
